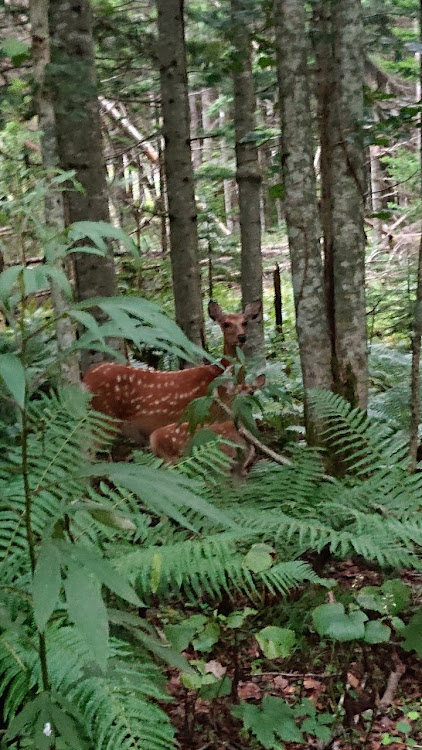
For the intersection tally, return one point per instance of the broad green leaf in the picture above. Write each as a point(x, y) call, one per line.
point(276, 642)
point(218, 688)
point(12, 373)
point(412, 634)
point(237, 619)
point(67, 727)
point(25, 717)
point(376, 632)
point(59, 277)
point(150, 642)
point(259, 558)
point(46, 583)
point(92, 560)
point(88, 612)
point(192, 680)
point(8, 279)
point(16, 49)
point(273, 719)
point(97, 231)
point(207, 638)
point(332, 621)
point(87, 320)
point(35, 279)
point(404, 727)
point(397, 595)
point(163, 491)
point(181, 635)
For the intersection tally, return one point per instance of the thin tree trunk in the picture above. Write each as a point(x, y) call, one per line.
point(179, 170)
point(227, 184)
point(248, 173)
point(73, 82)
point(194, 127)
point(376, 188)
point(278, 300)
point(207, 143)
point(339, 56)
point(417, 323)
point(348, 207)
point(53, 202)
point(300, 198)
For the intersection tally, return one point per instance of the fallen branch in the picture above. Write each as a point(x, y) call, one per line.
point(129, 128)
point(392, 683)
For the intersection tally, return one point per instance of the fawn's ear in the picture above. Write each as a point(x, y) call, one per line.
point(214, 311)
point(253, 310)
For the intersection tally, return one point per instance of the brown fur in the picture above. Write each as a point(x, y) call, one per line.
point(144, 400)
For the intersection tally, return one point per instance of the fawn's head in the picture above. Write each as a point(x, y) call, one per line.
point(234, 325)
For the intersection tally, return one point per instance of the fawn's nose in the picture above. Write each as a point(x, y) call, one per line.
point(241, 338)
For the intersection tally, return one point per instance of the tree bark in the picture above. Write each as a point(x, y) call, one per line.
point(53, 201)
point(73, 85)
point(340, 62)
point(300, 198)
point(417, 323)
point(248, 173)
point(179, 171)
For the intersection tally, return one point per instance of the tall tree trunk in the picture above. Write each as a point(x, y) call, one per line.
point(340, 60)
point(194, 127)
point(207, 143)
point(227, 183)
point(53, 202)
point(300, 197)
point(417, 324)
point(179, 171)
point(73, 84)
point(248, 173)
point(376, 189)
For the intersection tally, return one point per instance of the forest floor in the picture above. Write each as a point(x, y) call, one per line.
point(373, 692)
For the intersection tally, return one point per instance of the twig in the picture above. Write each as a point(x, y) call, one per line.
point(392, 683)
point(263, 448)
point(299, 675)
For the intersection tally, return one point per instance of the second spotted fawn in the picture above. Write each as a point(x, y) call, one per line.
point(171, 441)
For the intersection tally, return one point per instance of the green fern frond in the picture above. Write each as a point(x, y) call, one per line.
point(207, 462)
point(116, 710)
point(366, 445)
point(207, 567)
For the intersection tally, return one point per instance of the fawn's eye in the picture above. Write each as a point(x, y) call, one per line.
point(226, 325)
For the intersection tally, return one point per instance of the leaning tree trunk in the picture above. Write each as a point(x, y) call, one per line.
point(178, 170)
point(248, 173)
point(300, 197)
point(53, 202)
point(340, 60)
point(73, 84)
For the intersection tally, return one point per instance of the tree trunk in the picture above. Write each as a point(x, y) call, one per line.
point(227, 183)
point(300, 198)
point(417, 324)
point(179, 171)
point(339, 56)
point(73, 84)
point(278, 300)
point(248, 174)
point(53, 202)
point(207, 143)
point(377, 185)
point(194, 128)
